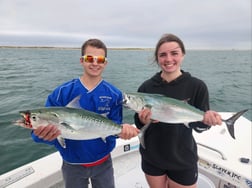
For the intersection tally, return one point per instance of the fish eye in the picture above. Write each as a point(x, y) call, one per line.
point(34, 118)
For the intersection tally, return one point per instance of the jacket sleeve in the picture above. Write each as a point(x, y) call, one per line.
point(199, 126)
point(138, 123)
point(116, 113)
point(201, 101)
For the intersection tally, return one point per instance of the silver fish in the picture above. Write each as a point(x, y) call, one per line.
point(73, 122)
point(169, 110)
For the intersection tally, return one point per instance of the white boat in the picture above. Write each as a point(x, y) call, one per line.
point(223, 162)
point(227, 161)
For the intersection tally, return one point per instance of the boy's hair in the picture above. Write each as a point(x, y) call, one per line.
point(94, 43)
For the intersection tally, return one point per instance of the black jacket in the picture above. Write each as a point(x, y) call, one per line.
point(172, 146)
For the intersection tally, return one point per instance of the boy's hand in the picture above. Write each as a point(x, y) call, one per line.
point(128, 132)
point(48, 133)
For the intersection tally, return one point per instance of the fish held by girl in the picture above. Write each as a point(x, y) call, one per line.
point(169, 110)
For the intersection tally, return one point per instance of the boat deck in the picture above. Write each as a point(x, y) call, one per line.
point(225, 158)
point(127, 167)
point(220, 163)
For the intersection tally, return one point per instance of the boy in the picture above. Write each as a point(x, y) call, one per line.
point(88, 159)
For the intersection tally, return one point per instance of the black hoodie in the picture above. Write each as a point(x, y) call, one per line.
point(172, 146)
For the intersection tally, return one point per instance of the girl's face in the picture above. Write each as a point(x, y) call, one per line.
point(170, 57)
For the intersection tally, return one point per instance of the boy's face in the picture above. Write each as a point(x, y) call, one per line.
point(92, 61)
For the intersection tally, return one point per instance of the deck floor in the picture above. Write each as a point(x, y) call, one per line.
point(128, 173)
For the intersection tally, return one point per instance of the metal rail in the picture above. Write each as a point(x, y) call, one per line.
point(213, 149)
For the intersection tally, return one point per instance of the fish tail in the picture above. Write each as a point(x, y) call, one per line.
point(141, 135)
point(231, 121)
point(61, 141)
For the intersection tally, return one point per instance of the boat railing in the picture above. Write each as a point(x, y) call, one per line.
point(213, 149)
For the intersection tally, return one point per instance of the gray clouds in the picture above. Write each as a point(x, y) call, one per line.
point(214, 24)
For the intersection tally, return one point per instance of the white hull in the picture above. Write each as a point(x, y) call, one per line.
point(222, 163)
point(214, 170)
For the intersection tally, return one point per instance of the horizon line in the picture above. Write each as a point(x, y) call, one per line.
point(113, 48)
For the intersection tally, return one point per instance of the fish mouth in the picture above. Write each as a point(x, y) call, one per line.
point(25, 121)
point(125, 100)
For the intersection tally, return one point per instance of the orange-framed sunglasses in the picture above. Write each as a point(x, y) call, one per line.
point(92, 59)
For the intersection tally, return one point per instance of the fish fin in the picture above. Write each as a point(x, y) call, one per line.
point(147, 106)
point(105, 114)
point(231, 121)
point(75, 103)
point(141, 135)
point(186, 100)
point(61, 141)
point(187, 124)
point(103, 139)
point(66, 125)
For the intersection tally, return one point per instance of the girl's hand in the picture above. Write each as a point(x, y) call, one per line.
point(145, 116)
point(212, 118)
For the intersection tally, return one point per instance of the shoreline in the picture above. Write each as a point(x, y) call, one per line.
point(73, 48)
point(113, 48)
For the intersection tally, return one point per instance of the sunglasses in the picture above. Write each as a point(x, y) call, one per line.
point(97, 59)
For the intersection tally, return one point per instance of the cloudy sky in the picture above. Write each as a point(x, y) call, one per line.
point(201, 24)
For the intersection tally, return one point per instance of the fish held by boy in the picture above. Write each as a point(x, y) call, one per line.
point(74, 123)
point(170, 110)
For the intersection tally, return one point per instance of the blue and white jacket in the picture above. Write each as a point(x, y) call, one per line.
point(103, 99)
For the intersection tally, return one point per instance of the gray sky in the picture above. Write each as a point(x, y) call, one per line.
point(201, 24)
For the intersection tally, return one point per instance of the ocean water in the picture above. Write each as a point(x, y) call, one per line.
point(28, 75)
